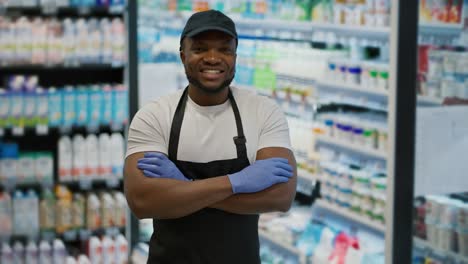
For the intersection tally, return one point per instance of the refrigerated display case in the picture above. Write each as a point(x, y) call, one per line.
point(350, 78)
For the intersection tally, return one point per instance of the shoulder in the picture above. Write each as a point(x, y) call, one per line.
point(252, 100)
point(161, 107)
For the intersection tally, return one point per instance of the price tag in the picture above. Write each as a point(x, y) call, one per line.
point(42, 130)
point(48, 235)
point(112, 231)
point(85, 234)
point(84, 10)
point(112, 182)
point(18, 131)
point(116, 64)
point(116, 9)
point(69, 235)
point(85, 184)
point(49, 9)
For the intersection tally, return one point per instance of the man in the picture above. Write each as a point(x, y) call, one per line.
point(204, 162)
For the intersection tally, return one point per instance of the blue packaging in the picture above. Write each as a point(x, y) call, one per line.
point(81, 106)
point(118, 2)
point(69, 101)
point(120, 105)
point(42, 107)
point(94, 112)
point(55, 111)
point(4, 108)
point(29, 103)
point(106, 105)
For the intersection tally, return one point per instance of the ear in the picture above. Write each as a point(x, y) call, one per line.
point(182, 56)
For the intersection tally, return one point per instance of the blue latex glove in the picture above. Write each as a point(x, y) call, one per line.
point(261, 175)
point(158, 165)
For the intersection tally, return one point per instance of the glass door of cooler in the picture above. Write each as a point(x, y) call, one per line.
point(441, 180)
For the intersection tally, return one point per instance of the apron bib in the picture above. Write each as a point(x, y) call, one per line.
point(208, 236)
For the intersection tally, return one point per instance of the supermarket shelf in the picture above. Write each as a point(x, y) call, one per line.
point(440, 29)
point(429, 100)
point(250, 24)
point(425, 245)
point(94, 184)
point(375, 225)
point(306, 26)
point(354, 88)
point(51, 10)
point(305, 182)
point(282, 247)
point(353, 147)
point(55, 67)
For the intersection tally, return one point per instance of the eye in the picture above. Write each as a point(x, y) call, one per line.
point(226, 50)
point(198, 49)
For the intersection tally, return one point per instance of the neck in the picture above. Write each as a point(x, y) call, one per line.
point(207, 99)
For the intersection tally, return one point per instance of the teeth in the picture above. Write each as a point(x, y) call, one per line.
point(212, 71)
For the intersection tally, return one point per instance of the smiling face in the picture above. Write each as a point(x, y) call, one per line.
point(209, 60)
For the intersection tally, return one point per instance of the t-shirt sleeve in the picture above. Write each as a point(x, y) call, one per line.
point(146, 131)
point(274, 131)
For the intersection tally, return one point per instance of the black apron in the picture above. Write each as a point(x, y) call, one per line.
point(209, 236)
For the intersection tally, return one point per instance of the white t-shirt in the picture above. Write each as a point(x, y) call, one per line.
point(207, 131)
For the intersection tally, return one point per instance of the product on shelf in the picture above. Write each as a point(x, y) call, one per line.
point(45, 41)
point(90, 158)
point(443, 222)
point(83, 105)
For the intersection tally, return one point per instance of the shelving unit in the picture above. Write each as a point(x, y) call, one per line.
point(352, 88)
point(373, 224)
point(44, 138)
point(439, 253)
point(282, 247)
point(352, 147)
point(60, 11)
point(427, 100)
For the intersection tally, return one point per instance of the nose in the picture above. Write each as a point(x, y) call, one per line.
point(212, 57)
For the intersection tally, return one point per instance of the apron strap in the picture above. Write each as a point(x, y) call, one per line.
point(176, 126)
point(239, 140)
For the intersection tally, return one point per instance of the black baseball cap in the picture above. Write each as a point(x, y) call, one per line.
point(208, 20)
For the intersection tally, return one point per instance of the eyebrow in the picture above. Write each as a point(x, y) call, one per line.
point(205, 41)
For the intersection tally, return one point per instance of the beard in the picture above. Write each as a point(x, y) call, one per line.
point(196, 83)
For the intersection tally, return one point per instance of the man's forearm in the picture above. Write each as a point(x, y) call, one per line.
point(166, 198)
point(275, 198)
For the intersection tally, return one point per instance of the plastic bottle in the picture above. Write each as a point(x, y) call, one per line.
point(108, 250)
point(117, 154)
point(18, 252)
point(79, 157)
point(121, 246)
point(59, 254)
point(70, 260)
point(65, 159)
point(32, 254)
point(93, 212)
point(105, 166)
point(92, 157)
point(79, 210)
point(120, 211)
point(83, 259)
point(20, 217)
point(6, 254)
point(95, 250)
point(64, 219)
point(45, 252)
point(32, 205)
point(107, 210)
point(6, 214)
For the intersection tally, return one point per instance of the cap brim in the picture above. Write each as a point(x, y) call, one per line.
point(209, 28)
